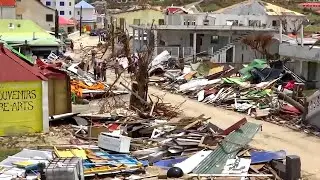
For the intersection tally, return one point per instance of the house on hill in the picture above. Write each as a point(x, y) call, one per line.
point(89, 17)
point(218, 35)
point(136, 16)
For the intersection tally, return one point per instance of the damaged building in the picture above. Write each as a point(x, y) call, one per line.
point(218, 35)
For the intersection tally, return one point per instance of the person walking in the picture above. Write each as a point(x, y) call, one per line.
point(98, 71)
point(104, 71)
point(117, 68)
point(71, 46)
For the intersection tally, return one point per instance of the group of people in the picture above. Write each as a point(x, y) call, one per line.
point(99, 71)
point(103, 36)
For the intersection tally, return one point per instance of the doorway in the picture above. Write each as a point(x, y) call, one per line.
point(229, 55)
point(198, 42)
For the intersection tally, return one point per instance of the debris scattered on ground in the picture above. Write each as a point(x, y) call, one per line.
point(258, 90)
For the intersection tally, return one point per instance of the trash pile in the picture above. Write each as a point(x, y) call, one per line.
point(124, 144)
point(257, 89)
point(82, 83)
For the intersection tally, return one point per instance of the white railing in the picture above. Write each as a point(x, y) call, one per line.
point(210, 50)
point(174, 51)
point(296, 51)
point(187, 51)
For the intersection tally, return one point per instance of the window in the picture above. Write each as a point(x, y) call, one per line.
point(62, 13)
point(161, 21)
point(48, 3)
point(274, 23)
point(232, 22)
point(61, 3)
point(214, 39)
point(49, 17)
point(78, 13)
point(255, 23)
point(312, 71)
point(136, 21)
point(70, 4)
point(70, 12)
point(122, 22)
point(19, 16)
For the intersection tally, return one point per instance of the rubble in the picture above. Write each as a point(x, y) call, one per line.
point(187, 143)
point(122, 141)
point(257, 90)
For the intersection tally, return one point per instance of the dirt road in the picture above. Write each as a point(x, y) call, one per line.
point(272, 137)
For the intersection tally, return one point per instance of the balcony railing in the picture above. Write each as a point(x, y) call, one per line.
point(299, 52)
point(176, 52)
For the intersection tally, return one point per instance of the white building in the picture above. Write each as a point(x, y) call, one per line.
point(65, 7)
point(89, 16)
point(8, 9)
point(218, 35)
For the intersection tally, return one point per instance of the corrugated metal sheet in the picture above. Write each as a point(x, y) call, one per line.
point(228, 149)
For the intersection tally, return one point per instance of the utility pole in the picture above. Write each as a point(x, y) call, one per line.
point(105, 22)
point(112, 35)
point(80, 20)
point(56, 24)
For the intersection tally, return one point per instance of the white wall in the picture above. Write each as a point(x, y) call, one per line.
point(87, 14)
point(244, 54)
point(7, 12)
point(68, 7)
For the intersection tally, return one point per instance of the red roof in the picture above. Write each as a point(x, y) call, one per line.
point(310, 4)
point(7, 2)
point(14, 69)
point(64, 21)
point(173, 10)
point(50, 70)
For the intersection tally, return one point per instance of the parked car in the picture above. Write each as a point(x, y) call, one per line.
point(94, 32)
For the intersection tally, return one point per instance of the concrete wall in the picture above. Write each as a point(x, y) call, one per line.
point(146, 17)
point(7, 13)
point(35, 11)
point(244, 54)
point(299, 52)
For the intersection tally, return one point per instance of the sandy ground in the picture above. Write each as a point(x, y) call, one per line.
point(272, 137)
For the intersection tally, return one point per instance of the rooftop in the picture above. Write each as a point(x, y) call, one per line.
point(257, 7)
point(10, 64)
point(19, 31)
point(84, 5)
point(8, 3)
point(204, 28)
